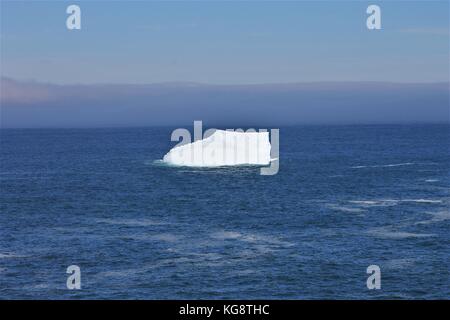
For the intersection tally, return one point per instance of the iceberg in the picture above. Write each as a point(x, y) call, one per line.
point(223, 148)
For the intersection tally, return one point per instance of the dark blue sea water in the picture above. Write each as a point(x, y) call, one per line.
point(345, 197)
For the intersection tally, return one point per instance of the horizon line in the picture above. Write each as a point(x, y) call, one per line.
point(195, 83)
point(237, 126)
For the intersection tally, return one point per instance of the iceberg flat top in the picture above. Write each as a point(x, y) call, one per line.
point(223, 148)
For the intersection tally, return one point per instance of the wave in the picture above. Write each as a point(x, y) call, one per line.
point(388, 232)
point(162, 237)
point(392, 202)
point(421, 200)
point(158, 163)
point(226, 235)
point(384, 165)
point(436, 217)
point(398, 263)
point(131, 222)
point(250, 238)
point(10, 255)
point(346, 209)
point(166, 237)
point(375, 203)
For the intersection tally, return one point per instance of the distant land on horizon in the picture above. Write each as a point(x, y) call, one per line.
point(32, 104)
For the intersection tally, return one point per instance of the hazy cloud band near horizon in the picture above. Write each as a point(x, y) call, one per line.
point(34, 104)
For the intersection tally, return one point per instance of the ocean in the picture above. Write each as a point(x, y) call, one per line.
point(345, 198)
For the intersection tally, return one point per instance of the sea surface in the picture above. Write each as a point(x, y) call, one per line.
point(345, 198)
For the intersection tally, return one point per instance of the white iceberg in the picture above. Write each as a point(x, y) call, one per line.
point(223, 148)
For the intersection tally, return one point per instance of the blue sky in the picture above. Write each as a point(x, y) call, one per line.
point(225, 42)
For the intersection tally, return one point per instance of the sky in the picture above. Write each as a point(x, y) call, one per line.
point(217, 42)
point(138, 63)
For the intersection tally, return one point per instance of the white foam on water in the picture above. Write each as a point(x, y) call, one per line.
point(10, 255)
point(166, 237)
point(250, 238)
point(375, 203)
point(131, 222)
point(246, 272)
point(365, 202)
point(336, 176)
point(224, 235)
point(422, 200)
point(384, 165)
point(389, 233)
point(133, 272)
point(392, 202)
point(247, 246)
point(223, 148)
point(438, 216)
point(345, 208)
point(401, 263)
